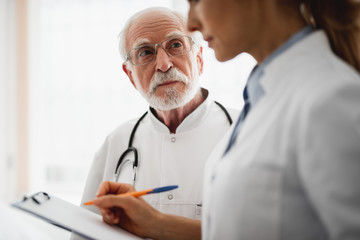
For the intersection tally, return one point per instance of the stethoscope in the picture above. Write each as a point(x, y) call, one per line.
point(121, 162)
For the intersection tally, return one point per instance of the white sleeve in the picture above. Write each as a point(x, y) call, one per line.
point(95, 177)
point(329, 162)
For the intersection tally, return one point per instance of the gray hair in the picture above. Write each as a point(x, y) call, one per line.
point(122, 35)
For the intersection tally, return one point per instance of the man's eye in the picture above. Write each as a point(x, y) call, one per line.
point(145, 51)
point(176, 45)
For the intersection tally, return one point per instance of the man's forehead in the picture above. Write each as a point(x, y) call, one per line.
point(142, 41)
point(154, 27)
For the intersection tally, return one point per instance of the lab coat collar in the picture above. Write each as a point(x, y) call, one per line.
point(193, 120)
point(254, 88)
point(315, 43)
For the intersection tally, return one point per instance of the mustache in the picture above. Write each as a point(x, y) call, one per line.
point(171, 75)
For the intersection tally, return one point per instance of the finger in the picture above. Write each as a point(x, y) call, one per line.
point(110, 218)
point(108, 187)
point(111, 215)
point(105, 188)
point(111, 201)
point(105, 211)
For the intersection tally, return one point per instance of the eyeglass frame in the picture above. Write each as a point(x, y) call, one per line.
point(192, 43)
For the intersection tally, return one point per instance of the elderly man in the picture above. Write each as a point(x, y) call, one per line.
point(170, 143)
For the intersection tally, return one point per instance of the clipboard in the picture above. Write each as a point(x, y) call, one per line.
point(70, 217)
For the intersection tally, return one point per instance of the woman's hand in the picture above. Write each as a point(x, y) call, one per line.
point(135, 215)
point(131, 213)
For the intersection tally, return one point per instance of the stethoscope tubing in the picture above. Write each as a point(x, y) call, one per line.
point(130, 148)
point(121, 162)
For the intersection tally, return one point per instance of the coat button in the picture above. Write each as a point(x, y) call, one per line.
point(173, 139)
point(170, 196)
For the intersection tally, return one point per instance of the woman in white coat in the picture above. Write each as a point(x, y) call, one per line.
point(292, 168)
point(292, 165)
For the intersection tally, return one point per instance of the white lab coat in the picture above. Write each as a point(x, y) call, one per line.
point(164, 158)
point(294, 171)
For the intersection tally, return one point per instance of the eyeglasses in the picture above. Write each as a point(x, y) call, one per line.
point(147, 53)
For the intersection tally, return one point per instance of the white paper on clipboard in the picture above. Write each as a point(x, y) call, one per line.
point(71, 217)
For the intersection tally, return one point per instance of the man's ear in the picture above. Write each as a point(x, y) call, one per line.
point(128, 72)
point(200, 60)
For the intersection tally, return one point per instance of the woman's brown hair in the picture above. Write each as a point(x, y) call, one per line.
point(341, 21)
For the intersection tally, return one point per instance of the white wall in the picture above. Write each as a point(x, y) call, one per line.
point(7, 100)
point(77, 90)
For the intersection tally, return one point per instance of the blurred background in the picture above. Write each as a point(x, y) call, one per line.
point(62, 89)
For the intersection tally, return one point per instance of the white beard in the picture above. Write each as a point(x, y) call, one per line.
point(173, 98)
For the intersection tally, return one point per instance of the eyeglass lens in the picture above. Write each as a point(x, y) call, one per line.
point(173, 47)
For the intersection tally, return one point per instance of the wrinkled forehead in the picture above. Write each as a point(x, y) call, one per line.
point(154, 27)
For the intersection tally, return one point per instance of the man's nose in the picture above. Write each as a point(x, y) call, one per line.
point(163, 60)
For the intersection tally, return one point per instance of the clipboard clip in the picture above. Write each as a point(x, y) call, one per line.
point(38, 198)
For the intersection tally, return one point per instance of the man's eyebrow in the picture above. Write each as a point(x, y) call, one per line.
point(175, 34)
point(140, 42)
point(144, 41)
